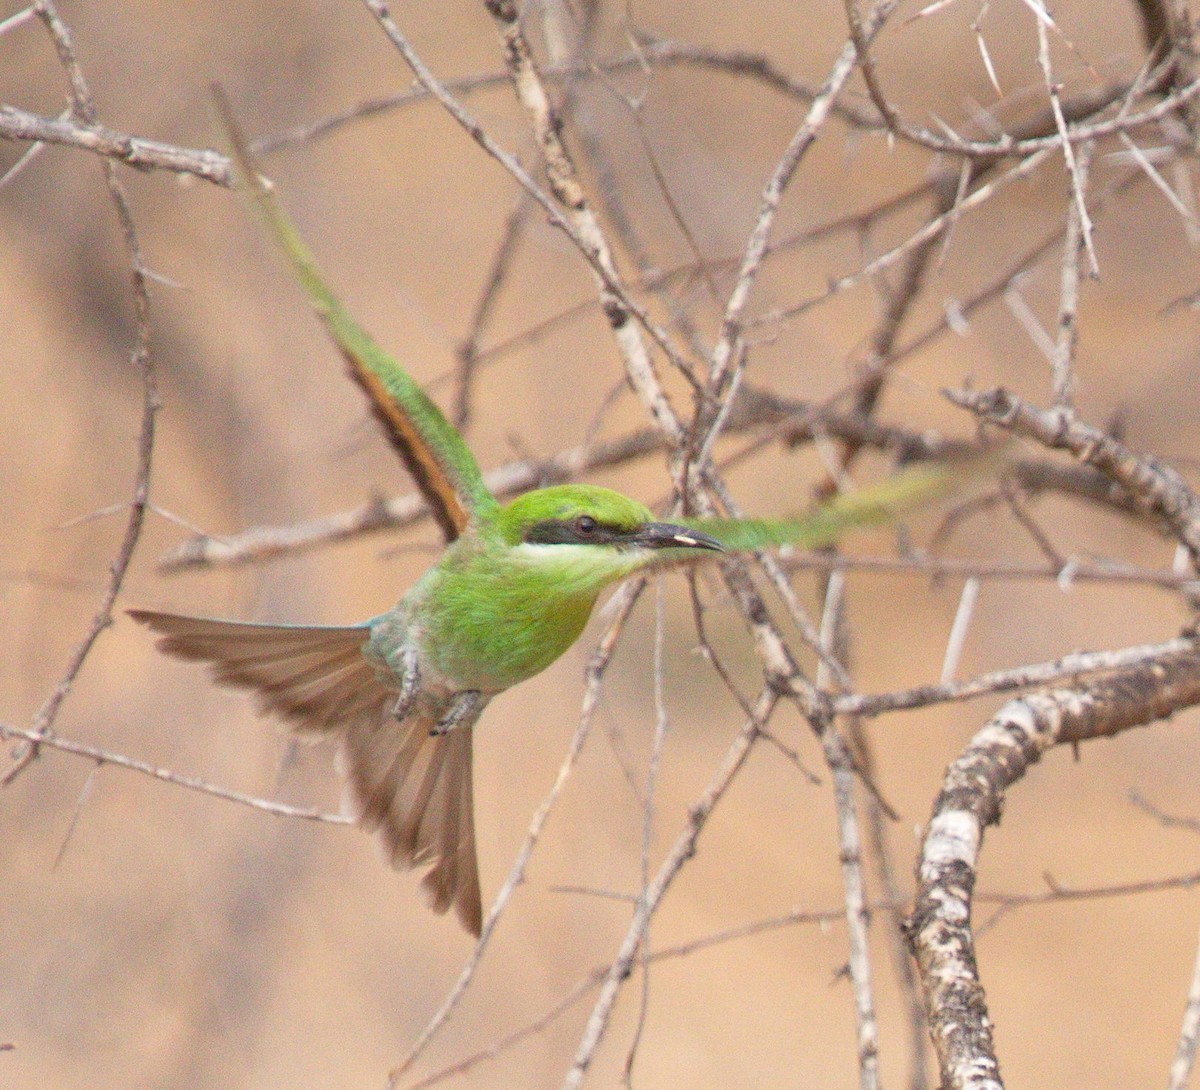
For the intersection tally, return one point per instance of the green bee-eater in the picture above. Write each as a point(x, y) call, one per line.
point(513, 590)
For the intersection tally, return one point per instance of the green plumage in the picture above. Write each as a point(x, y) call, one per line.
point(513, 591)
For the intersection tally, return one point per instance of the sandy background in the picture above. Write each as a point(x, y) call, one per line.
point(184, 942)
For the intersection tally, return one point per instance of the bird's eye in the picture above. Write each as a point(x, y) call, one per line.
point(585, 525)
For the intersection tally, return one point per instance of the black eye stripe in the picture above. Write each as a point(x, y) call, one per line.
point(581, 530)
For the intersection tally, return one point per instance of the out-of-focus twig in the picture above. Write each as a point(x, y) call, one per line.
point(682, 850)
point(192, 783)
point(1189, 1033)
point(83, 110)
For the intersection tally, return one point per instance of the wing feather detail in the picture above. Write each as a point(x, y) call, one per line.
point(411, 787)
point(434, 453)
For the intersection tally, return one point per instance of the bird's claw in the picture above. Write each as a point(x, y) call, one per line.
point(409, 687)
point(464, 708)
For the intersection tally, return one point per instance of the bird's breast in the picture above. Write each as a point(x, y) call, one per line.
point(490, 632)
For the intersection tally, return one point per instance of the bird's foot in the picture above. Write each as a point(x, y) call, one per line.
point(463, 709)
point(408, 686)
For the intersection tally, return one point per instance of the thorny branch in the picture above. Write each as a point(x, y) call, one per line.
point(1102, 692)
point(83, 109)
point(1158, 489)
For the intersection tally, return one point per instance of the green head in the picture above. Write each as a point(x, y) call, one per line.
point(590, 523)
point(504, 604)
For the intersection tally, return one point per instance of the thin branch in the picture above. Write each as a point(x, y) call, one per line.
point(834, 641)
point(1078, 172)
point(938, 568)
point(892, 909)
point(725, 351)
point(136, 151)
point(1057, 893)
point(658, 744)
point(1078, 236)
point(1156, 487)
point(1167, 821)
point(842, 772)
point(1189, 1034)
point(191, 783)
point(468, 352)
point(683, 850)
point(83, 109)
point(565, 185)
point(1007, 681)
point(930, 230)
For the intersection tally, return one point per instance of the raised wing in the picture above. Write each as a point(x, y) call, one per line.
point(441, 463)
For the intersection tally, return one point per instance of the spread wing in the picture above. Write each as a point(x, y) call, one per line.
point(912, 487)
point(411, 786)
point(314, 676)
point(441, 463)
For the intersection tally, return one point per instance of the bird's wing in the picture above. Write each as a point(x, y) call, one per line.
point(315, 677)
point(441, 463)
point(411, 787)
point(414, 788)
point(884, 501)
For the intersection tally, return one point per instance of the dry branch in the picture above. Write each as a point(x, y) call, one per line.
point(83, 110)
point(1155, 487)
point(971, 798)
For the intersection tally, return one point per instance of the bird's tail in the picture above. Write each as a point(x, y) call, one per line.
point(404, 780)
point(413, 786)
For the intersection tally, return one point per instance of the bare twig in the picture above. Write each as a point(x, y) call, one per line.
point(83, 109)
point(137, 151)
point(1078, 237)
point(468, 349)
point(191, 783)
point(1007, 681)
point(683, 849)
point(931, 229)
point(842, 770)
point(1157, 488)
point(564, 184)
point(1057, 893)
point(1189, 1033)
point(1167, 821)
point(940, 567)
point(1078, 171)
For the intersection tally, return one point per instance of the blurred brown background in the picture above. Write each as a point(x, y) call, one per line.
point(185, 942)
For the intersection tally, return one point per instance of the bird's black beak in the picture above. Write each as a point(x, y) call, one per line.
point(666, 535)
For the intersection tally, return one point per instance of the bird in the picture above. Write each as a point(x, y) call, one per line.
point(401, 693)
